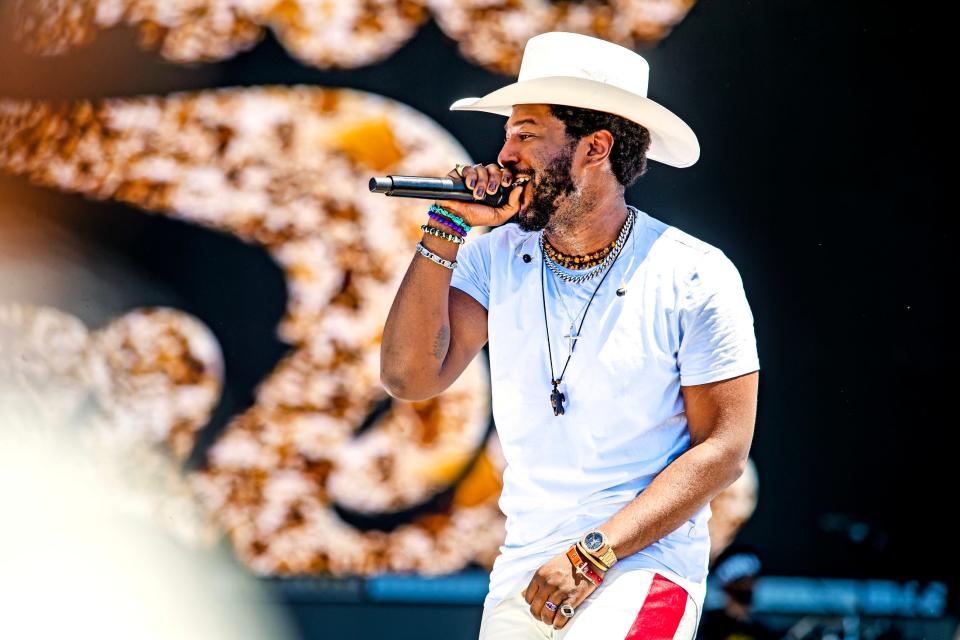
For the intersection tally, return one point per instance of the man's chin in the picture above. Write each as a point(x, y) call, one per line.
point(527, 220)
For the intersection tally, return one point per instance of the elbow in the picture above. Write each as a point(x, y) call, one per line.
point(738, 467)
point(729, 462)
point(736, 462)
point(404, 387)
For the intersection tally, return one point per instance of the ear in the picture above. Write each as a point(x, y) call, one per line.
point(598, 146)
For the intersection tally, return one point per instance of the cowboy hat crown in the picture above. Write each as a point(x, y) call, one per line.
point(579, 71)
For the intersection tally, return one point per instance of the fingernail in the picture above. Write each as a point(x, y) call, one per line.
point(471, 182)
point(506, 180)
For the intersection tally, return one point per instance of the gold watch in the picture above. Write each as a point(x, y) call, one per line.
point(596, 544)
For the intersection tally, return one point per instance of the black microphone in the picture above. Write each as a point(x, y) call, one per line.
point(434, 189)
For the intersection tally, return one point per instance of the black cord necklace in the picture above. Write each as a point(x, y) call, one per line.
point(556, 397)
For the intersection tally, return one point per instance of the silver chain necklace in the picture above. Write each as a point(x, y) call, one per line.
point(574, 335)
point(557, 397)
point(593, 273)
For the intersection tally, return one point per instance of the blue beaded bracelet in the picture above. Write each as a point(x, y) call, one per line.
point(451, 216)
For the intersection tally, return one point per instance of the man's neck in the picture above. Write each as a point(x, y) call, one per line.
point(590, 229)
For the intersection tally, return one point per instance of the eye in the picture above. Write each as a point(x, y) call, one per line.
point(525, 136)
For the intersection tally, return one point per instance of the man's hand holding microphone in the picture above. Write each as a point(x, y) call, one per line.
point(483, 180)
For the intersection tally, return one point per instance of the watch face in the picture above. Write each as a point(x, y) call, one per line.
point(593, 541)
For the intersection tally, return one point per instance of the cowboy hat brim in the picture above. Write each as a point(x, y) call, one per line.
point(672, 141)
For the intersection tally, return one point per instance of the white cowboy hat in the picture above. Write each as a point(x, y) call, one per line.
point(579, 71)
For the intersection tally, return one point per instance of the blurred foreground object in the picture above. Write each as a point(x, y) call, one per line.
point(78, 564)
point(342, 33)
point(134, 394)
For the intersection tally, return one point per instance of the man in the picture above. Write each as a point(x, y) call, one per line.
point(622, 354)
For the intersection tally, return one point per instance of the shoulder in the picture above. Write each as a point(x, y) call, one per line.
point(670, 244)
point(694, 267)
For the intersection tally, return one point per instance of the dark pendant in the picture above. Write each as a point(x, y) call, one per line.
point(556, 400)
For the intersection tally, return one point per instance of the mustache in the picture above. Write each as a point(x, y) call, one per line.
point(514, 170)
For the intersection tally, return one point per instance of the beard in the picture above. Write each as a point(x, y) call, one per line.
point(550, 186)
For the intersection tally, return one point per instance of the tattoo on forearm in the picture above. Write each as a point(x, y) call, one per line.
point(441, 342)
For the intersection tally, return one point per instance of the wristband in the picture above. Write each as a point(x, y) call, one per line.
point(582, 567)
point(432, 257)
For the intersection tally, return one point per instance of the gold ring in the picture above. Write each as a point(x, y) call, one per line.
point(459, 169)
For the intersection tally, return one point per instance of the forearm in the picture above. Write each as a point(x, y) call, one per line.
point(674, 496)
point(416, 336)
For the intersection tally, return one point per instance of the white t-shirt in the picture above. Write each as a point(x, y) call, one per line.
point(684, 319)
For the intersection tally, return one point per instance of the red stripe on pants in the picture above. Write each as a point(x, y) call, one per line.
point(659, 617)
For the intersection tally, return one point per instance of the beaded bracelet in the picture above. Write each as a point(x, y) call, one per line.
point(432, 257)
point(451, 216)
point(437, 233)
point(450, 224)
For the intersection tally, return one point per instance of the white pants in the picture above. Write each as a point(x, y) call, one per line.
point(623, 608)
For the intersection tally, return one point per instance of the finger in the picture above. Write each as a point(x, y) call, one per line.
point(512, 206)
point(480, 215)
point(575, 599)
point(539, 598)
point(531, 591)
point(509, 209)
point(547, 616)
point(494, 173)
point(469, 176)
point(506, 177)
point(481, 185)
point(560, 620)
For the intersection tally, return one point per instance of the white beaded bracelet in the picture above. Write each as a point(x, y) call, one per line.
point(431, 256)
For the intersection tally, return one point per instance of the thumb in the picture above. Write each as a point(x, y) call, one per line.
point(512, 205)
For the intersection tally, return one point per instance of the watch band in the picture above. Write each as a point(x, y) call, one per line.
point(586, 554)
point(609, 558)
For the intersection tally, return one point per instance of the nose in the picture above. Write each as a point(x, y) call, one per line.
point(508, 152)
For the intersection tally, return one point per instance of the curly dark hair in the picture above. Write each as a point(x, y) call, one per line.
point(628, 159)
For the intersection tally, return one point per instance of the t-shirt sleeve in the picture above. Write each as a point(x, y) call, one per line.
point(472, 275)
point(717, 339)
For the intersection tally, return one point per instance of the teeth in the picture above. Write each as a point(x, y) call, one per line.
point(521, 180)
